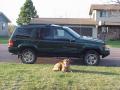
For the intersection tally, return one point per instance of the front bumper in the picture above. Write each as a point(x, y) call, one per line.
point(106, 52)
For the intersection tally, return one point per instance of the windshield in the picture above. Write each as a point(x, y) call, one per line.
point(72, 31)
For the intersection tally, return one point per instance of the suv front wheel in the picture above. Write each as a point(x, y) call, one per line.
point(28, 56)
point(91, 58)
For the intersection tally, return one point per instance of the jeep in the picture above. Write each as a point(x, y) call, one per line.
point(35, 40)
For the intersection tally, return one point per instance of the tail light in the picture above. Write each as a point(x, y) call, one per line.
point(10, 43)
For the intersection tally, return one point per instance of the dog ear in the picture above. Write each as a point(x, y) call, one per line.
point(64, 60)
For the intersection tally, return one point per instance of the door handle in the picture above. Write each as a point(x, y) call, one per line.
point(72, 40)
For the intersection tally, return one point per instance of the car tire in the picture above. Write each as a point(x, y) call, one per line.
point(91, 58)
point(28, 56)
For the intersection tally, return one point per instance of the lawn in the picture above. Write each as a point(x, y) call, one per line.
point(41, 77)
point(4, 40)
point(114, 43)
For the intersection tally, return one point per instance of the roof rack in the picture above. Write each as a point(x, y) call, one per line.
point(38, 24)
point(33, 24)
point(54, 25)
point(43, 24)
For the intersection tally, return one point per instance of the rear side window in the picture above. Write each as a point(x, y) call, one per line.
point(45, 33)
point(23, 32)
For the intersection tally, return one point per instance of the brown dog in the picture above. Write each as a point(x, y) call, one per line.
point(63, 65)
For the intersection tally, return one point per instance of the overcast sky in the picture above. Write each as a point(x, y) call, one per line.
point(50, 8)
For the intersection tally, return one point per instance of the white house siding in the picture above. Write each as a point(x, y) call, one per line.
point(94, 32)
point(94, 15)
point(111, 16)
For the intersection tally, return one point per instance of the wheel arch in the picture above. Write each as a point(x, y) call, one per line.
point(22, 47)
point(92, 49)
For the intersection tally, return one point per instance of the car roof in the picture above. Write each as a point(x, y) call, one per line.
point(38, 25)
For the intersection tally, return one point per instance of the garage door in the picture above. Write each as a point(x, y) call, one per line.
point(85, 31)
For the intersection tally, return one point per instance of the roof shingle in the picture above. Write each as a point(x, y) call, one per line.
point(71, 21)
point(104, 7)
point(5, 17)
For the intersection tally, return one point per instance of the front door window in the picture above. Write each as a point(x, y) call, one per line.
point(62, 34)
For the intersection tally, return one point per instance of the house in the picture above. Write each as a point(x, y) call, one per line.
point(104, 22)
point(4, 25)
point(107, 17)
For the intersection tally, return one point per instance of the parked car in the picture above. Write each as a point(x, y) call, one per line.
point(32, 41)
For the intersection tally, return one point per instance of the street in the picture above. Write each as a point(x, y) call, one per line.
point(112, 60)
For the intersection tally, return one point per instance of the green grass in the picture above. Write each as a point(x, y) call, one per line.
point(114, 43)
point(4, 40)
point(41, 77)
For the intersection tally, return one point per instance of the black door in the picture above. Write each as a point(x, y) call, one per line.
point(56, 41)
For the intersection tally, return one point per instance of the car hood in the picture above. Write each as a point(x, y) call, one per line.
point(91, 39)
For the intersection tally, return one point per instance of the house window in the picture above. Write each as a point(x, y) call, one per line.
point(103, 13)
point(3, 26)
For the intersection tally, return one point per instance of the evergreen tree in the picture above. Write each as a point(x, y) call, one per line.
point(27, 12)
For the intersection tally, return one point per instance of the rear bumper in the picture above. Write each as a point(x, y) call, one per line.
point(106, 52)
point(13, 50)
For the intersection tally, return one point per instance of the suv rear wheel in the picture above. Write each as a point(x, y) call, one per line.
point(28, 56)
point(91, 58)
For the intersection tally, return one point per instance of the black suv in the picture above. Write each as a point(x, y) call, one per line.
point(32, 41)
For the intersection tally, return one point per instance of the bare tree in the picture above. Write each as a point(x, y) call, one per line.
point(11, 28)
point(115, 1)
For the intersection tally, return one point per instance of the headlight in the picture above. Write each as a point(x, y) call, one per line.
point(107, 47)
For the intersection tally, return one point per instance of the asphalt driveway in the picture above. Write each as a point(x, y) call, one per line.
point(111, 60)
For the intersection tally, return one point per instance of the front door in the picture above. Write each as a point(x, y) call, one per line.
point(66, 43)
